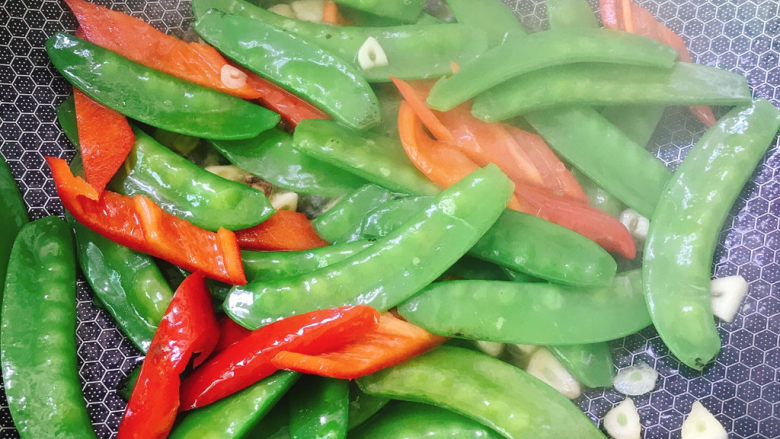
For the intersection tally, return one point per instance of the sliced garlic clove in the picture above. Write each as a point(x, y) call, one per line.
point(622, 421)
point(283, 9)
point(635, 380)
point(371, 54)
point(636, 224)
point(547, 368)
point(232, 77)
point(700, 424)
point(726, 294)
point(309, 10)
point(490, 347)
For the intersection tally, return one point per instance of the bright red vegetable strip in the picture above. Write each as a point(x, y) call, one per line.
point(188, 327)
point(285, 230)
point(249, 360)
point(292, 108)
point(415, 95)
point(229, 333)
point(105, 139)
point(140, 224)
point(392, 342)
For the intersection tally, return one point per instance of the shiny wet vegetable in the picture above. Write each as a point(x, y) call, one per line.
point(591, 364)
point(490, 16)
point(404, 11)
point(13, 215)
point(318, 408)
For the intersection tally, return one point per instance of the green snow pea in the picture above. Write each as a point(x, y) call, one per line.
point(395, 267)
point(488, 391)
point(342, 222)
point(275, 424)
point(490, 16)
point(278, 265)
point(38, 357)
point(383, 218)
point(684, 228)
point(604, 84)
point(409, 420)
point(295, 64)
point(530, 313)
point(414, 51)
point(236, 415)
point(591, 364)
point(405, 11)
point(516, 276)
point(598, 197)
point(180, 143)
point(362, 406)
point(271, 156)
point(318, 408)
point(13, 215)
point(475, 269)
point(638, 122)
point(153, 97)
point(389, 103)
point(524, 54)
point(602, 152)
point(571, 14)
point(378, 159)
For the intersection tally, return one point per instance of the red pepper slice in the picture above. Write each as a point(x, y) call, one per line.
point(143, 226)
point(392, 342)
point(229, 333)
point(284, 230)
point(249, 360)
point(105, 139)
point(188, 327)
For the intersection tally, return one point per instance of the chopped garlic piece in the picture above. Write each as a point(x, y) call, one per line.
point(309, 10)
point(636, 224)
point(229, 172)
point(622, 421)
point(635, 380)
point(700, 424)
point(232, 77)
point(285, 200)
point(283, 9)
point(547, 368)
point(726, 294)
point(491, 348)
point(371, 54)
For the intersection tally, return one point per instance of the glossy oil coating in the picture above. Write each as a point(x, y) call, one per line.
point(319, 408)
point(343, 222)
point(591, 364)
point(277, 265)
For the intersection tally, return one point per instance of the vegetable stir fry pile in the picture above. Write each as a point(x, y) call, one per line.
point(467, 194)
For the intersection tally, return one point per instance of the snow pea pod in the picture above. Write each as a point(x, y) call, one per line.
point(591, 364)
point(604, 84)
point(237, 414)
point(272, 157)
point(278, 265)
point(153, 97)
point(524, 54)
point(414, 51)
point(638, 122)
point(487, 391)
point(490, 16)
point(318, 408)
point(362, 406)
point(530, 313)
point(475, 269)
point(571, 14)
point(410, 420)
point(295, 64)
point(39, 360)
point(405, 11)
point(13, 215)
point(392, 269)
point(602, 152)
point(376, 158)
point(684, 228)
point(342, 223)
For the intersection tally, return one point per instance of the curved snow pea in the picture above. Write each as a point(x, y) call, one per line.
point(516, 276)
point(530, 313)
point(475, 269)
point(524, 54)
point(362, 406)
point(318, 408)
point(294, 63)
point(487, 391)
point(598, 197)
point(378, 159)
point(604, 84)
point(153, 97)
point(392, 269)
point(275, 424)
point(602, 152)
point(414, 51)
point(638, 122)
point(383, 218)
point(571, 14)
point(237, 414)
point(409, 420)
point(342, 222)
point(684, 228)
point(39, 360)
point(13, 215)
point(490, 16)
point(591, 364)
point(406, 11)
point(272, 157)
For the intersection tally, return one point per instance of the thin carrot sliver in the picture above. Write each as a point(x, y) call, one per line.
point(415, 96)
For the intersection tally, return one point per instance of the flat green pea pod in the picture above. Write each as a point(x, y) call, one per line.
point(413, 51)
point(591, 364)
point(499, 395)
point(13, 215)
point(153, 97)
point(638, 122)
point(275, 424)
point(237, 414)
point(603, 85)
point(362, 406)
point(410, 420)
point(684, 228)
point(571, 14)
point(342, 223)
point(524, 54)
point(294, 63)
point(395, 267)
point(39, 360)
point(516, 276)
point(404, 11)
point(530, 313)
point(318, 408)
point(593, 145)
point(378, 159)
point(490, 16)
point(271, 156)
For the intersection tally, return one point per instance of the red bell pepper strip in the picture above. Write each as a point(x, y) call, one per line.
point(284, 230)
point(229, 333)
point(143, 226)
point(249, 360)
point(105, 139)
point(194, 62)
point(392, 342)
point(630, 17)
point(187, 328)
